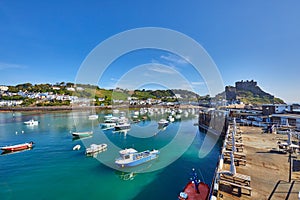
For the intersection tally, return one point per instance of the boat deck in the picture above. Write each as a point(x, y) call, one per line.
point(193, 195)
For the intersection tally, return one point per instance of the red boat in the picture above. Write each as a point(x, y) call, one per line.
point(18, 147)
point(195, 189)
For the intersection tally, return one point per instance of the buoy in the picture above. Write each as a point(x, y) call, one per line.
point(16, 132)
point(76, 147)
point(22, 131)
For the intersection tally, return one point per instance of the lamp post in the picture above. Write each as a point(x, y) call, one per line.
point(290, 169)
point(290, 150)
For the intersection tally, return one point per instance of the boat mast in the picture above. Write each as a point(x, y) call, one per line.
point(195, 180)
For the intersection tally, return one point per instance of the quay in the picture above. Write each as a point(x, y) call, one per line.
point(263, 170)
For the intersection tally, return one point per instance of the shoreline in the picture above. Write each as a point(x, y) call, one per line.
point(79, 108)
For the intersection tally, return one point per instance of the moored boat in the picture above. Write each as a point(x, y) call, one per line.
point(95, 148)
point(93, 117)
point(31, 122)
point(109, 122)
point(76, 147)
point(171, 118)
point(135, 119)
point(195, 189)
point(122, 126)
point(17, 147)
point(163, 122)
point(131, 157)
point(82, 134)
point(108, 116)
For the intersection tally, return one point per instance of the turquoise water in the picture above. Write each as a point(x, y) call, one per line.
point(52, 170)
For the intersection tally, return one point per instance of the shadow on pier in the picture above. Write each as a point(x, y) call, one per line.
point(285, 190)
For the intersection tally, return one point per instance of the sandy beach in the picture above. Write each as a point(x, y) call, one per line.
point(269, 169)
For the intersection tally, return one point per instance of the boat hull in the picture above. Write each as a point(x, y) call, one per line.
point(108, 125)
point(93, 117)
point(31, 123)
point(137, 162)
point(119, 128)
point(192, 194)
point(163, 122)
point(17, 147)
point(96, 149)
point(81, 134)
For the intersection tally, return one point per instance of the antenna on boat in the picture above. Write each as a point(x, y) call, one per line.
point(195, 179)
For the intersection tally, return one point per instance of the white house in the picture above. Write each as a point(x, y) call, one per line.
point(3, 88)
point(269, 109)
point(71, 89)
point(55, 88)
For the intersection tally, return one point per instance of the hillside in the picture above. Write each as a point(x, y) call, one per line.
point(63, 93)
point(249, 92)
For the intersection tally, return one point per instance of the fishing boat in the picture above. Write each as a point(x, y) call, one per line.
point(131, 157)
point(95, 148)
point(82, 134)
point(194, 189)
point(31, 122)
point(17, 147)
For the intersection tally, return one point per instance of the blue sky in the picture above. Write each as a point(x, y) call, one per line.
point(46, 41)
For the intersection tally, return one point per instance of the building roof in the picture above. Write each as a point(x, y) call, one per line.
point(292, 116)
point(274, 105)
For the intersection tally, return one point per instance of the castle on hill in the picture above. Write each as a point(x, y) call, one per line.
point(233, 93)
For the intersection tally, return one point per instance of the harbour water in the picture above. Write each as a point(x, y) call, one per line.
point(52, 170)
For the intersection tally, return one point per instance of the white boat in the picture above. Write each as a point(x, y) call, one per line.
point(178, 116)
point(135, 118)
point(93, 117)
point(186, 113)
point(95, 148)
point(109, 116)
point(131, 157)
point(109, 122)
point(31, 122)
point(171, 118)
point(163, 122)
point(122, 126)
point(76, 147)
point(116, 111)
